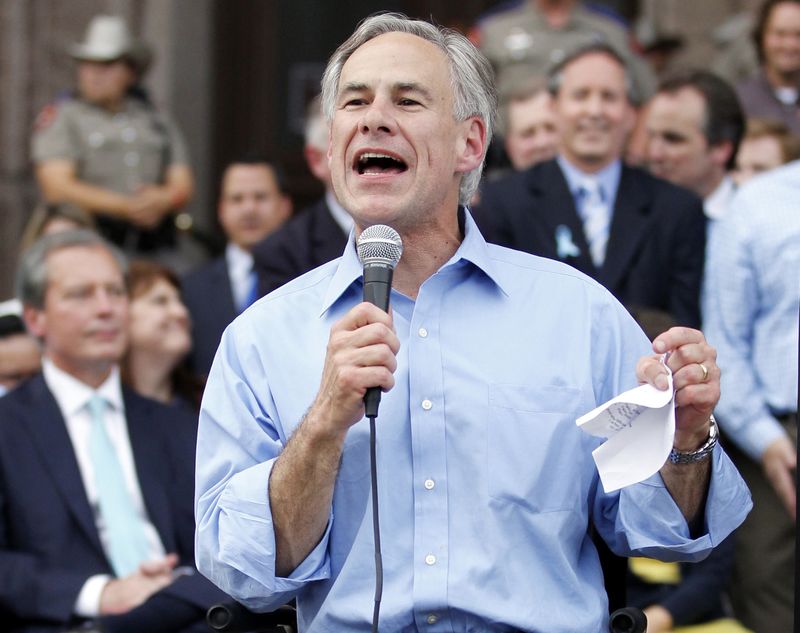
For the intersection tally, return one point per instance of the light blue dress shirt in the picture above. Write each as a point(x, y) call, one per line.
point(751, 302)
point(487, 487)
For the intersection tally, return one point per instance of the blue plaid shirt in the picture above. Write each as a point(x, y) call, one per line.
point(751, 303)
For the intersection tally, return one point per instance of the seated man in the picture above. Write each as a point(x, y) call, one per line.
point(95, 481)
point(487, 488)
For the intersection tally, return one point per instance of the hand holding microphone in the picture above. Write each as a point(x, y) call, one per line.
point(379, 249)
point(362, 345)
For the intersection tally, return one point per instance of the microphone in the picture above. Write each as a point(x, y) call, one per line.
point(379, 248)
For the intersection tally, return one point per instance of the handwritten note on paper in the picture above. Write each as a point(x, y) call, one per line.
point(640, 427)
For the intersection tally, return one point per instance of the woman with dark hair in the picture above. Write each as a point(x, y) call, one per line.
point(159, 337)
point(774, 92)
point(108, 150)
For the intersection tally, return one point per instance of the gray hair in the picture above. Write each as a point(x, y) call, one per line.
point(556, 74)
point(32, 279)
point(471, 75)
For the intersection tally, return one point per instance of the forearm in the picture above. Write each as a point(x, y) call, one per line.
point(688, 486)
point(59, 184)
point(179, 184)
point(301, 491)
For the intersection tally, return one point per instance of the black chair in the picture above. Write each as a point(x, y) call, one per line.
point(232, 617)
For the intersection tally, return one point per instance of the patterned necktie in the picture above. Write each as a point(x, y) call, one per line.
point(596, 219)
point(127, 543)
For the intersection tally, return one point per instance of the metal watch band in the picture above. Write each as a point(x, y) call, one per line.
point(692, 457)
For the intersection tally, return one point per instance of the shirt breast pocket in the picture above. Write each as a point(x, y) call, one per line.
point(533, 446)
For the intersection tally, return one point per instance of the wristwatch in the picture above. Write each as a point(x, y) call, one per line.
point(692, 457)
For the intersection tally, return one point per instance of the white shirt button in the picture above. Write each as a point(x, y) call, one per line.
point(427, 404)
point(432, 619)
point(423, 332)
point(429, 484)
point(430, 559)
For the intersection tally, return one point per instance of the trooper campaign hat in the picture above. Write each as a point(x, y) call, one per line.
point(107, 39)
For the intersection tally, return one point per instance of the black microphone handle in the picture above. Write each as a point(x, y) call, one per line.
point(377, 288)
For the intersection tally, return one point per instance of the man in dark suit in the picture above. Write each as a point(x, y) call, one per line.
point(639, 236)
point(315, 235)
point(253, 203)
point(96, 524)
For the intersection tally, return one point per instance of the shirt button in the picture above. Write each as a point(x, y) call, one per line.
point(423, 332)
point(427, 404)
point(432, 619)
point(429, 484)
point(430, 559)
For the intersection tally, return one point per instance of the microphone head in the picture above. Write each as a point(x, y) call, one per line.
point(379, 244)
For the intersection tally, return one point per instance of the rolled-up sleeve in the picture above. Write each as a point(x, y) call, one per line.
point(239, 440)
point(644, 520)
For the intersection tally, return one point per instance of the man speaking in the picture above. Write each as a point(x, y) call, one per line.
point(487, 487)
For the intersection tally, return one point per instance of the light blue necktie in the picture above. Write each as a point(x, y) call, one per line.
point(127, 543)
point(596, 219)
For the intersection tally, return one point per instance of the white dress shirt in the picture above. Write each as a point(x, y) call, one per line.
point(719, 201)
point(240, 272)
point(340, 216)
point(72, 396)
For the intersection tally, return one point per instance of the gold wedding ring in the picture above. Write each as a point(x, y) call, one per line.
point(705, 372)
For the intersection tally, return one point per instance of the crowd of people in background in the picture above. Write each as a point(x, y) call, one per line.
point(678, 193)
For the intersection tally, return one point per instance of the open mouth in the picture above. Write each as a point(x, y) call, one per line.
point(381, 164)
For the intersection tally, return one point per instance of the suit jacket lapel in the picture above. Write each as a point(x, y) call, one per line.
point(326, 234)
point(556, 220)
point(49, 432)
point(226, 306)
point(149, 458)
point(629, 226)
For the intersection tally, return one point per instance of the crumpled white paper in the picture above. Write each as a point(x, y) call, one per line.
point(640, 427)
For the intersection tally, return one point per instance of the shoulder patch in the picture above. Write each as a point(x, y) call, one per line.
point(46, 117)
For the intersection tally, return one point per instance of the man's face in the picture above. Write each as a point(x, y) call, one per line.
point(396, 152)
point(757, 155)
point(531, 135)
point(593, 113)
point(104, 83)
point(251, 205)
point(781, 40)
point(20, 358)
point(85, 316)
point(677, 148)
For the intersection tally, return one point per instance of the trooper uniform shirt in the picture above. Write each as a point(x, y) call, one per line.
point(521, 44)
point(120, 151)
point(115, 150)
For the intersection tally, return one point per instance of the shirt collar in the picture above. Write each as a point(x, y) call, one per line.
point(719, 201)
point(473, 249)
point(608, 177)
point(340, 216)
point(240, 261)
point(72, 395)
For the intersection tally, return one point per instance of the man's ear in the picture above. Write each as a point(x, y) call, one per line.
point(471, 146)
point(286, 206)
point(721, 153)
point(317, 161)
point(35, 320)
